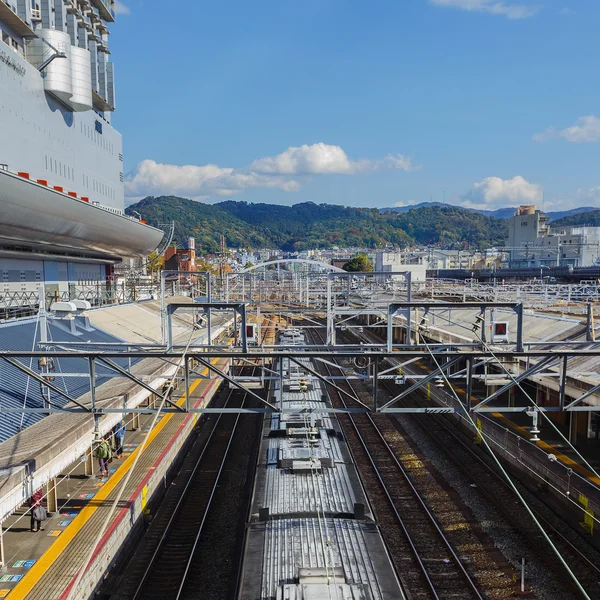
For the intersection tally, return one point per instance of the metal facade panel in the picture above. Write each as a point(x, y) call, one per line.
point(18, 390)
point(294, 544)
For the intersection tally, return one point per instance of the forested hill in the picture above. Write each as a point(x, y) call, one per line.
point(291, 228)
point(309, 225)
point(451, 226)
point(589, 218)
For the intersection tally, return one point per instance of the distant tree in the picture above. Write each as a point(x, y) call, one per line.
point(203, 265)
point(359, 262)
point(155, 264)
point(248, 265)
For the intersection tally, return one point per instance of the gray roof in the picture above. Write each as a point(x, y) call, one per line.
point(18, 390)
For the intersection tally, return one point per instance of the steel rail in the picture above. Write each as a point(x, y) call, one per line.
point(500, 479)
point(179, 504)
point(470, 582)
point(578, 554)
point(208, 506)
point(182, 497)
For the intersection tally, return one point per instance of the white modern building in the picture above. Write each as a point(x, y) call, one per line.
point(532, 242)
point(396, 261)
point(62, 218)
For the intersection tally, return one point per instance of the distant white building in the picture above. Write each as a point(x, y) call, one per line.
point(533, 243)
point(394, 261)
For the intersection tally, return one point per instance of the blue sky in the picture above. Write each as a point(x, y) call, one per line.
point(484, 103)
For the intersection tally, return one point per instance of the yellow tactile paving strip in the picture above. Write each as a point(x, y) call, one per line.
point(541, 444)
point(82, 531)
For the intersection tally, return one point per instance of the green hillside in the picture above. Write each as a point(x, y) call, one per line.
point(290, 228)
point(308, 225)
point(449, 226)
point(589, 218)
point(205, 222)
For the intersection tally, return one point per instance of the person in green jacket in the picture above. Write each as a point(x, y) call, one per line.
point(103, 454)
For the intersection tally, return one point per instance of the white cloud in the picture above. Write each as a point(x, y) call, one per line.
point(582, 197)
point(544, 136)
point(494, 192)
point(509, 10)
point(121, 9)
point(585, 130)
point(150, 177)
point(394, 161)
point(325, 159)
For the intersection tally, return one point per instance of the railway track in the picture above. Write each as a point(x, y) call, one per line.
point(496, 490)
point(583, 559)
point(187, 533)
point(425, 560)
point(168, 567)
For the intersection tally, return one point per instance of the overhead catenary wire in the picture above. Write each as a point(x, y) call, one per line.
point(533, 472)
point(533, 402)
point(513, 486)
point(127, 477)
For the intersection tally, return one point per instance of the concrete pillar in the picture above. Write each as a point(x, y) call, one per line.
point(135, 421)
point(51, 494)
point(573, 427)
point(89, 464)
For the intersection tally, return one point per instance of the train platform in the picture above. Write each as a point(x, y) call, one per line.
point(45, 565)
point(550, 462)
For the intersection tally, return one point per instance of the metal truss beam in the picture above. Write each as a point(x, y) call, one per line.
point(42, 381)
point(405, 352)
point(430, 377)
point(573, 405)
point(231, 380)
point(327, 382)
point(548, 361)
point(407, 307)
point(135, 379)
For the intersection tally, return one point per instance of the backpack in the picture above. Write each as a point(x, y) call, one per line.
point(102, 451)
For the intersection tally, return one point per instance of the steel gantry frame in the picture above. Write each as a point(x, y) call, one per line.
point(455, 362)
point(403, 355)
point(350, 312)
point(163, 296)
point(408, 307)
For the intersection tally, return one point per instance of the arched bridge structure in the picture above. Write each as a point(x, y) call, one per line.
point(287, 261)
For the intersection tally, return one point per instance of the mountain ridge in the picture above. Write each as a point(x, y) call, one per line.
point(308, 225)
point(500, 213)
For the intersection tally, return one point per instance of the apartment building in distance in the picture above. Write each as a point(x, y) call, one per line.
point(534, 242)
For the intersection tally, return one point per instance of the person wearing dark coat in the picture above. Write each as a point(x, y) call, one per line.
point(36, 500)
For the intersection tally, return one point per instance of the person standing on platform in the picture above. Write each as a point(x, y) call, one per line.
point(119, 433)
point(103, 454)
point(38, 512)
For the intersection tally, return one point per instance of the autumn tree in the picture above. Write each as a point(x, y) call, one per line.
point(358, 263)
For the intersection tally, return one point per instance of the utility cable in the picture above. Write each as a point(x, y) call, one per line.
point(512, 485)
point(141, 449)
point(533, 402)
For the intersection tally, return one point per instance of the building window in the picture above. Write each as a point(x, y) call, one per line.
point(524, 224)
